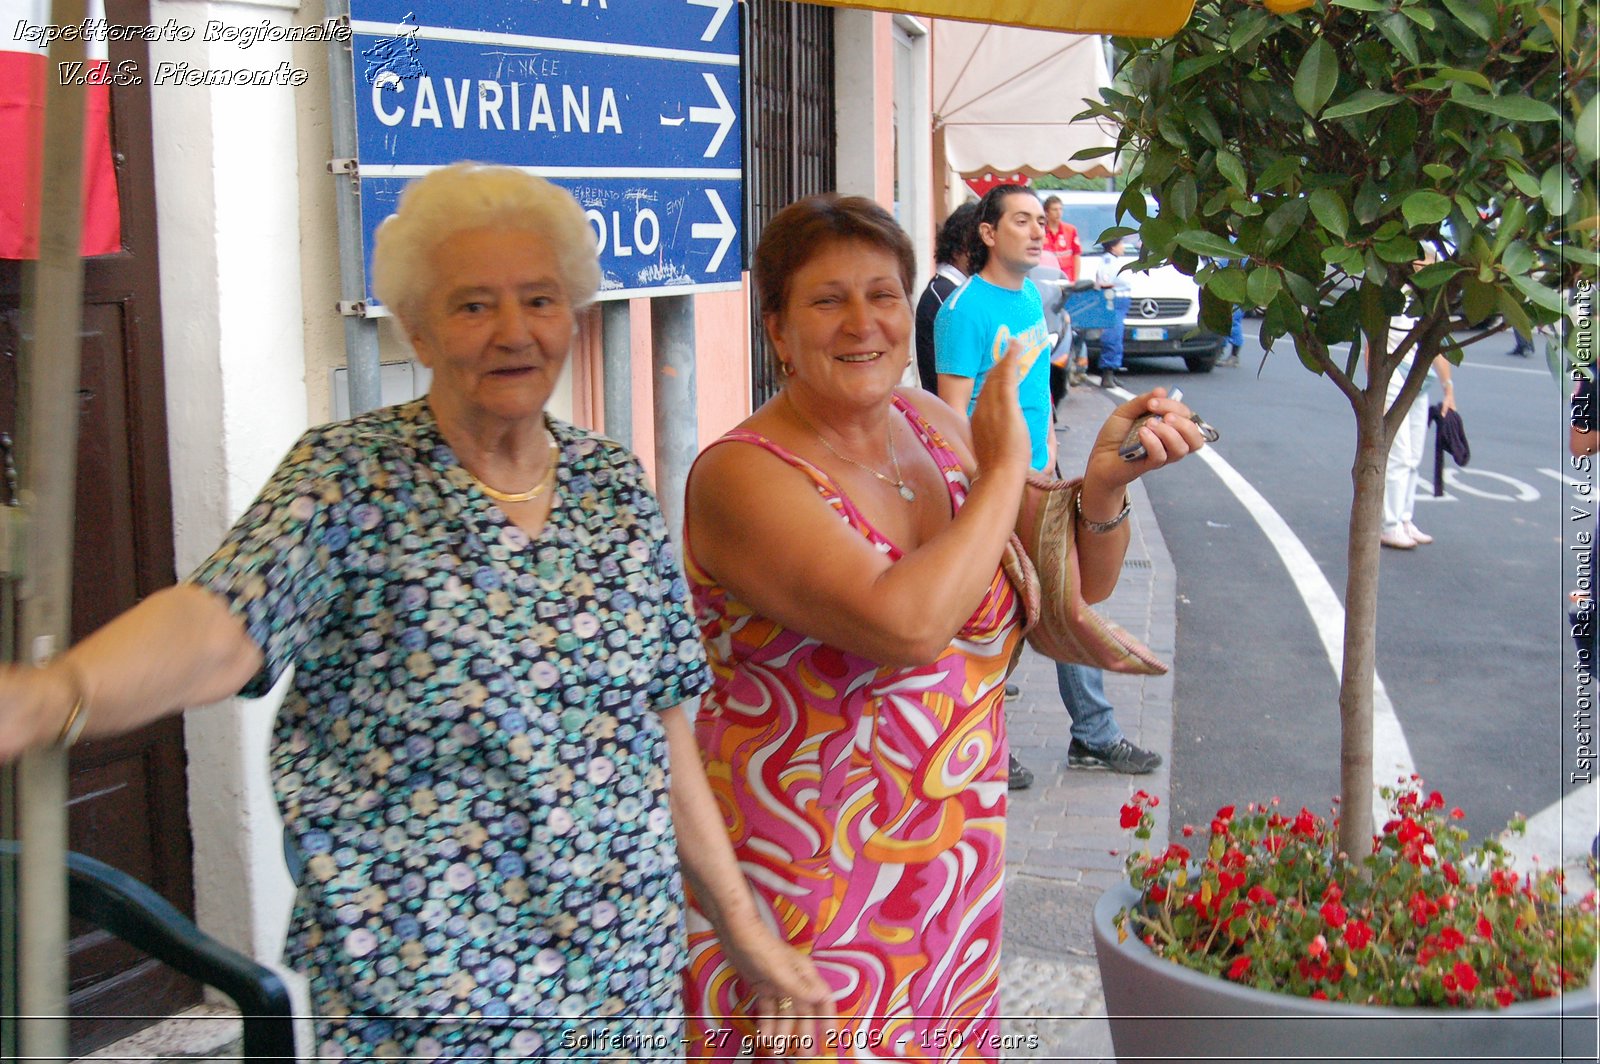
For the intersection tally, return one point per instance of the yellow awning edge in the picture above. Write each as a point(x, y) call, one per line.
point(1120, 18)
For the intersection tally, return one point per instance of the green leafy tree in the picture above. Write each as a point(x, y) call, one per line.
point(1307, 158)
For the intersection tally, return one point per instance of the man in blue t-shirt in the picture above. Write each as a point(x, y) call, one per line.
point(996, 305)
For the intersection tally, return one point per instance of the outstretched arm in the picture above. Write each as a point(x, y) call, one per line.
point(180, 647)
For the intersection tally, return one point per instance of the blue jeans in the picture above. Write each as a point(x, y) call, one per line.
point(1236, 330)
point(1083, 692)
point(1111, 346)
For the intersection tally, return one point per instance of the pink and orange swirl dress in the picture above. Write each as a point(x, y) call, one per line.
point(866, 804)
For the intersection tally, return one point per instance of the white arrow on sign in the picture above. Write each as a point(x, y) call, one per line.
point(721, 114)
point(722, 229)
point(722, 7)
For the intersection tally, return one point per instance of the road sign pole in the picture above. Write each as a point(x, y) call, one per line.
point(616, 340)
point(52, 315)
point(677, 425)
point(360, 332)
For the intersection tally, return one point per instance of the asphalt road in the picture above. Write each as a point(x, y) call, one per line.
point(1471, 629)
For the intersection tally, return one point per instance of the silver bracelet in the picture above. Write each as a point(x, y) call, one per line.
point(1102, 527)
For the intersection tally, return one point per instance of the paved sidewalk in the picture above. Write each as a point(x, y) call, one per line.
point(1061, 831)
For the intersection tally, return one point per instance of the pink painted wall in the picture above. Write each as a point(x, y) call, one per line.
point(722, 369)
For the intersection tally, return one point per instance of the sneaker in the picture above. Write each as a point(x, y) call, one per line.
point(1012, 690)
point(1021, 776)
point(1121, 756)
point(1108, 379)
point(1522, 351)
point(1417, 535)
point(1077, 377)
point(1228, 360)
point(1398, 539)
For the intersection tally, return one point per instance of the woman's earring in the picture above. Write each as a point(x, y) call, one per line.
point(788, 368)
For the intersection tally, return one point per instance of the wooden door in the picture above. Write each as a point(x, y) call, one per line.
point(129, 797)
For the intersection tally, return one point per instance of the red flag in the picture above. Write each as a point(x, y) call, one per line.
point(23, 68)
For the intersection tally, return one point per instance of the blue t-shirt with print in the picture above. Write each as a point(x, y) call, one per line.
point(971, 332)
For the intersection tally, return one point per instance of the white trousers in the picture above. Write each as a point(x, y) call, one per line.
point(1402, 474)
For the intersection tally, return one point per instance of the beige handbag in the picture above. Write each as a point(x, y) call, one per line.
point(1042, 561)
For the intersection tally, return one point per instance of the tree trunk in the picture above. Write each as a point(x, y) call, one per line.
point(1360, 626)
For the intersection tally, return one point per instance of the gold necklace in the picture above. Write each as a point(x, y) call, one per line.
point(897, 480)
point(532, 493)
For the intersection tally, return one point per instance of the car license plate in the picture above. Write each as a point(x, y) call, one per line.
point(1149, 334)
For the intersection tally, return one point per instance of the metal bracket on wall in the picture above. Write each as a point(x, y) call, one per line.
point(353, 308)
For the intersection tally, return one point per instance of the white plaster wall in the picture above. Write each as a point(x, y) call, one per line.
point(857, 100)
point(913, 107)
point(228, 214)
point(319, 245)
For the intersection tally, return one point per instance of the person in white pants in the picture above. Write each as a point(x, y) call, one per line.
point(1405, 454)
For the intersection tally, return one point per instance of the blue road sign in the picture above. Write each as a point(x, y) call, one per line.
point(695, 25)
point(659, 235)
point(631, 105)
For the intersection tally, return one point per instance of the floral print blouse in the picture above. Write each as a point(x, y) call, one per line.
point(469, 758)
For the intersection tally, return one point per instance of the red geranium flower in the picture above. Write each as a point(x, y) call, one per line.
point(1262, 896)
point(1422, 909)
point(1262, 899)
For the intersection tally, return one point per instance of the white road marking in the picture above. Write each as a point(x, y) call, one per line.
point(1571, 482)
point(1391, 754)
point(1566, 828)
point(1469, 364)
point(1521, 491)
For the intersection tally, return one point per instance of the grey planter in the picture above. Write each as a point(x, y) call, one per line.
point(1160, 1011)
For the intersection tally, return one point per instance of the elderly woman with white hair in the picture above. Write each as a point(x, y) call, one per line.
point(482, 759)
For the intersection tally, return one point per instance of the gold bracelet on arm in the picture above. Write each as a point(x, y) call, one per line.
point(77, 716)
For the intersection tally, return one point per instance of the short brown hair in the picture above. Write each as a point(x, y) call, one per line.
point(805, 227)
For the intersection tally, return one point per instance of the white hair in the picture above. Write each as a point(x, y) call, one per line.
point(466, 196)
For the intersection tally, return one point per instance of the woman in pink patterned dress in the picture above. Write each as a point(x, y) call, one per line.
point(844, 559)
